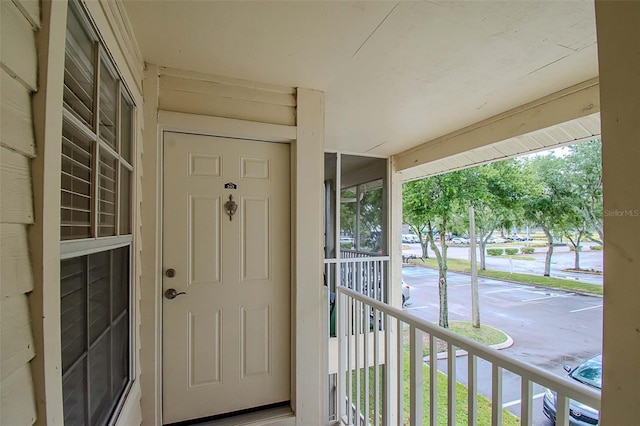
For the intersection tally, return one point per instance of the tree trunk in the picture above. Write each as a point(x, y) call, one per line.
point(475, 298)
point(547, 260)
point(444, 304)
point(441, 256)
point(481, 245)
point(577, 258)
point(424, 244)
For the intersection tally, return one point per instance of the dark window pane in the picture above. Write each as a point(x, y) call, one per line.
point(74, 396)
point(78, 70)
point(99, 295)
point(120, 355)
point(120, 289)
point(126, 129)
point(99, 385)
point(73, 309)
point(125, 201)
point(107, 176)
point(108, 97)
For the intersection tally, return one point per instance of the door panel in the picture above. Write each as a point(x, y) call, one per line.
point(204, 237)
point(226, 342)
point(205, 341)
point(255, 239)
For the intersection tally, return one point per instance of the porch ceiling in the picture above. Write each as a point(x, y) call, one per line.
point(395, 74)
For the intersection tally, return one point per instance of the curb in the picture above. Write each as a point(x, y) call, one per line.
point(460, 352)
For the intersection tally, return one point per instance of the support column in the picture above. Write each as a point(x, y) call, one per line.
point(395, 286)
point(618, 28)
point(309, 343)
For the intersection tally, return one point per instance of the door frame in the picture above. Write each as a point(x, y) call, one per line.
point(278, 185)
point(306, 155)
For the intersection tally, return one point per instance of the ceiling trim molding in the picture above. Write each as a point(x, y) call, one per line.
point(574, 102)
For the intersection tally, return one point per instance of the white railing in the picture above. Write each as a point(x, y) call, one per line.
point(371, 384)
point(365, 273)
point(360, 271)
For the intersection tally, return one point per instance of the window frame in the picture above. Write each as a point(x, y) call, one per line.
point(125, 163)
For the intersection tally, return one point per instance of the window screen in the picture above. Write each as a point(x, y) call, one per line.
point(94, 312)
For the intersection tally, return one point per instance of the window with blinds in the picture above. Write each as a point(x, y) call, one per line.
point(96, 153)
point(94, 298)
point(95, 228)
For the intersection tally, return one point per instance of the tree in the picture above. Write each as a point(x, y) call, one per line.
point(433, 203)
point(415, 214)
point(496, 195)
point(546, 204)
point(585, 174)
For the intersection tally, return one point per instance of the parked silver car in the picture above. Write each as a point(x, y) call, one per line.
point(588, 373)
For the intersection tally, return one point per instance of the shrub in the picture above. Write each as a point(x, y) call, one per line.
point(527, 250)
point(539, 245)
point(511, 251)
point(495, 252)
point(596, 247)
point(572, 248)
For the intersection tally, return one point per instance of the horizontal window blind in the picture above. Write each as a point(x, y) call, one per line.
point(79, 70)
point(76, 186)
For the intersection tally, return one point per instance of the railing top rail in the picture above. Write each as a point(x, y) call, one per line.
point(583, 394)
point(357, 259)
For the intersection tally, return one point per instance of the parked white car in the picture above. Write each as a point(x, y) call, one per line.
point(410, 238)
point(459, 240)
point(406, 292)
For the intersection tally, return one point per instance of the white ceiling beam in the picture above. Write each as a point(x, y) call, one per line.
point(574, 102)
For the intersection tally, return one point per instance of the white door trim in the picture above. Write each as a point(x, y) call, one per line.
point(307, 165)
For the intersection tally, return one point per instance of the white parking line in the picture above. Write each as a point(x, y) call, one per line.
point(586, 309)
point(417, 307)
point(548, 297)
point(518, 401)
point(501, 291)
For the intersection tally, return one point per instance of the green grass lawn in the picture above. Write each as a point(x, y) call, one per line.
point(483, 403)
point(461, 265)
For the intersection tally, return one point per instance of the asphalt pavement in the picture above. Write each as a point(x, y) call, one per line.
point(549, 328)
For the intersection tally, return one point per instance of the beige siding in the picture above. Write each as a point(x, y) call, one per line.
point(18, 406)
point(16, 126)
point(17, 341)
point(228, 98)
point(15, 275)
point(18, 44)
point(18, 79)
point(15, 192)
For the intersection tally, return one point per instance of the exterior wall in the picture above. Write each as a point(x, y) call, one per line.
point(202, 94)
point(618, 27)
point(18, 80)
point(204, 104)
point(33, 51)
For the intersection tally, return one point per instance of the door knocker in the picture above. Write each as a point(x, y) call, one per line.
point(231, 207)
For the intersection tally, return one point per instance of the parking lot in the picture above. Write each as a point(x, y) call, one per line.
point(549, 328)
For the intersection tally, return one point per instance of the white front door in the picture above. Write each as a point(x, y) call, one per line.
point(226, 341)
